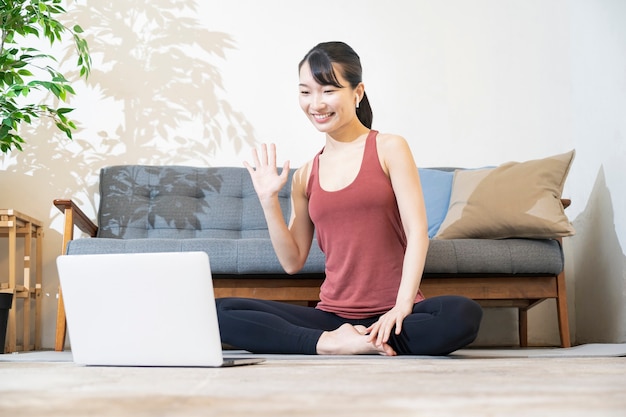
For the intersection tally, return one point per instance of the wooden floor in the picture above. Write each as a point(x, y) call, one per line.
point(357, 386)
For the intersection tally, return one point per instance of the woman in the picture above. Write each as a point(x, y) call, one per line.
point(363, 197)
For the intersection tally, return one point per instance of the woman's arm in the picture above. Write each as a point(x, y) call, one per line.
point(291, 243)
point(397, 160)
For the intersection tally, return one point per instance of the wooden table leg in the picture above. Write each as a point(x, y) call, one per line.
point(11, 345)
point(28, 244)
point(38, 287)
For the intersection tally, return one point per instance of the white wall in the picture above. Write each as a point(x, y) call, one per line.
point(468, 83)
point(598, 77)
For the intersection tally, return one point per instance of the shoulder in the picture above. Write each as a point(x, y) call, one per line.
point(304, 171)
point(391, 142)
point(301, 177)
point(392, 150)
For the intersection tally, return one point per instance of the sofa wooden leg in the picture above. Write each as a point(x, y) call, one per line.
point(59, 342)
point(561, 305)
point(523, 327)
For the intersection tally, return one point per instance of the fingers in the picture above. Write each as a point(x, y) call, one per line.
point(271, 154)
point(263, 155)
point(285, 171)
point(249, 167)
point(398, 327)
point(372, 332)
point(255, 158)
point(266, 157)
point(380, 332)
point(383, 336)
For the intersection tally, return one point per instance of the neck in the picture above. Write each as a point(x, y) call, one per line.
point(346, 135)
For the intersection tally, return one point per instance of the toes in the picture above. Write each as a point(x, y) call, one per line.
point(361, 329)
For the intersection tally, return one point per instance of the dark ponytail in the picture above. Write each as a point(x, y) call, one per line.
point(321, 59)
point(364, 112)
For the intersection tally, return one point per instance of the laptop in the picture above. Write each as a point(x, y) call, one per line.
point(143, 309)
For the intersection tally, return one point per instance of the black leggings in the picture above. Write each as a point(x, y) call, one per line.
point(437, 326)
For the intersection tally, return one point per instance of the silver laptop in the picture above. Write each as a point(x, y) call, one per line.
point(142, 309)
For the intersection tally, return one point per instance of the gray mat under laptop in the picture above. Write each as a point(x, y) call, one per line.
point(581, 351)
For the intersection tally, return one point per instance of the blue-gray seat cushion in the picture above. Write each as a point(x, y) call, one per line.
point(256, 256)
point(489, 256)
point(227, 256)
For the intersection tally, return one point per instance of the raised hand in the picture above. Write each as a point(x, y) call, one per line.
point(265, 178)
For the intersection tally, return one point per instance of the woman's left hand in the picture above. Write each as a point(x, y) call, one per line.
point(380, 331)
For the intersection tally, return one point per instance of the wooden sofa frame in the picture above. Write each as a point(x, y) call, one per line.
point(513, 291)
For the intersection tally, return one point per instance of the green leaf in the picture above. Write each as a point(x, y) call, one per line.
point(64, 129)
point(30, 30)
point(64, 110)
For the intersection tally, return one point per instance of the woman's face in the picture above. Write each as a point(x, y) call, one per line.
point(327, 107)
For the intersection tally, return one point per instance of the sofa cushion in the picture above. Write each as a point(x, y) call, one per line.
point(227, 256)
point(178, 202)
point(255, 256)
point(436, 187)
point(516, 199)
point(490, 256)
point(215, 210)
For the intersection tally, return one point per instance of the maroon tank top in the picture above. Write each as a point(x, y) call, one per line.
point(360, 231)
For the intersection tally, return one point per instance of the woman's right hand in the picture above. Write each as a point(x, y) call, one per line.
point(265, 178)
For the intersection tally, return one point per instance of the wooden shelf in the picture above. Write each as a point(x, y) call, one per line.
point(14, 225)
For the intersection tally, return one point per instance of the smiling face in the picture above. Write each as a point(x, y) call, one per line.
point(329, 107)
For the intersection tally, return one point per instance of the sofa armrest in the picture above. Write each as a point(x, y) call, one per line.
point(566, 202)
point(74, 217)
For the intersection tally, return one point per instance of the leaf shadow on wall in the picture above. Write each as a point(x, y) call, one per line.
point(160, 65)
point(166, 202)
point(600, 270)
point(157, 63)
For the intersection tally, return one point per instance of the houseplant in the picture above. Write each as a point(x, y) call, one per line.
point(25, 70)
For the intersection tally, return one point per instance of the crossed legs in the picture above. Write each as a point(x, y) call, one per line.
point(437, 326)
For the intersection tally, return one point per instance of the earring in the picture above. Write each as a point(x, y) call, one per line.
point(357, 101)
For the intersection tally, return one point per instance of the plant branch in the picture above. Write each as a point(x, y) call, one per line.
point(34, 18)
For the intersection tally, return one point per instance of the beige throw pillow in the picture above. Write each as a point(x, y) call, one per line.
point(516, 199)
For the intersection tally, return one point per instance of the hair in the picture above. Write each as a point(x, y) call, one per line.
point(321, 59)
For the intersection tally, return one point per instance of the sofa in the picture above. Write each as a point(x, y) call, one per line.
point(215, 210)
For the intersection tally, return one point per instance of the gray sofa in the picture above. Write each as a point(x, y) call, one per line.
point(215, 210)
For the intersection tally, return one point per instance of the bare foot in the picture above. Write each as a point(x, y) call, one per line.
point(350, 340)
